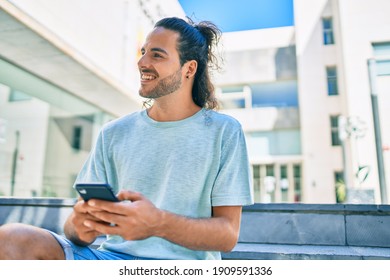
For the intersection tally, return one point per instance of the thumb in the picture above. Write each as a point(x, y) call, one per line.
point(129, 195)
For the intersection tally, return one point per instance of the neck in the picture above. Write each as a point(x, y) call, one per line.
point(163, 112)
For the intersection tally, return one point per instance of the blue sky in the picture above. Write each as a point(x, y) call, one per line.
point(239, 15)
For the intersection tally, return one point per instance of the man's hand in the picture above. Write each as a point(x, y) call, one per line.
point(134, 218)
point(75, 229)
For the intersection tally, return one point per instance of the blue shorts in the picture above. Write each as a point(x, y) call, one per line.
point(75, 252)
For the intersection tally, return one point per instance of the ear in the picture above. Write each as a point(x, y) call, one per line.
point(191, 66)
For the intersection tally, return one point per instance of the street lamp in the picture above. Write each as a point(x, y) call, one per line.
point(378, 138)
point(15, 162)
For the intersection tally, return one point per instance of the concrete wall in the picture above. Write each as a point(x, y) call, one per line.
point(313, 231)
point(316, 224)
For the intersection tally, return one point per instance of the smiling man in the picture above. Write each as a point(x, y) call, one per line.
point(180, 167)
point(166, 59)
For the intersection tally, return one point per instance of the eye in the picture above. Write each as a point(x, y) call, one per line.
point(157, 55)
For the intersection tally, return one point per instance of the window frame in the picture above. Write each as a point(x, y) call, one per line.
point(334, 130)
point(328, 31)
point(332, 81)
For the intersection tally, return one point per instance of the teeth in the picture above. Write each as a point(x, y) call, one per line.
point(147, 77)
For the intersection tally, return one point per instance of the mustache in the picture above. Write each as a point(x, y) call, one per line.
point(148, 71)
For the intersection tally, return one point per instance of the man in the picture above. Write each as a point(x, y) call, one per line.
point(181, 168)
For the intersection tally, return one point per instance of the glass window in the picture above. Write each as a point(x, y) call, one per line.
point(256, 183)
point(331, 76)
point(274, 143)
point(276, 94)
point(77, 133)
point(277, 182)
point(45, 139)
point(16, 96)
point(339, 186)
point(338, 176)
point(284, 183)
point(334, 126)
point(297, 183)
point(381, 49)
point(327, 27)
point(234, 97)
point(269, 183)
point(269, 170)
point(382, 56)
point(383, 67)
point(233, 103)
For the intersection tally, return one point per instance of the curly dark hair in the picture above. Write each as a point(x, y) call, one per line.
point(197, 41)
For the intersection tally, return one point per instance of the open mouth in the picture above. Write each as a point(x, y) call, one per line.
point(147, 77)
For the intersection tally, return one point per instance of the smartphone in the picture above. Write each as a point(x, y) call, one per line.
point(101, 191)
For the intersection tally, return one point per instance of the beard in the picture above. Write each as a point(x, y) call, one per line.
point(164, 87)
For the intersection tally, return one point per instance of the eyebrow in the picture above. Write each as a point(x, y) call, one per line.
point(157, 50)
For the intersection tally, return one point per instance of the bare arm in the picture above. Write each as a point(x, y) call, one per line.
point(141, 219)
point(219, 233)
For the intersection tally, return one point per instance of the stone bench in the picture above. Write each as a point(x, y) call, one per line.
point(268, 231)
point(313, 231)
point(49, 213)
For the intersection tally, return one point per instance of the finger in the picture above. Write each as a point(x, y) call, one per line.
point(103, 216)
point(99, 205)
point(81, 207)
point(85, 233)
point(129, 195)
point(110, 218)
point(119, 208)
point(94, 216)
point(101, 228)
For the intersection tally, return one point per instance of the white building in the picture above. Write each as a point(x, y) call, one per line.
point(295, 148)
point(66, 68)
point(259, 88)
point(361, 30)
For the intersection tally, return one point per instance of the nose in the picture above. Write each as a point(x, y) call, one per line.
point(143, 62)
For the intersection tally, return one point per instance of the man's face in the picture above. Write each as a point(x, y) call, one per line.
point(159, 66)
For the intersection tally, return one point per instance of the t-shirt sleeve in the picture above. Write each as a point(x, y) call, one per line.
point(233, 185)
point(94, 168)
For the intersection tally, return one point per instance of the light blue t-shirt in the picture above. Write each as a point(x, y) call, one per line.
point(184, 167)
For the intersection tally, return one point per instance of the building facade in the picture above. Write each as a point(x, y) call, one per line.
point(314, 133)
point(259, 87)
point(341, 39)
